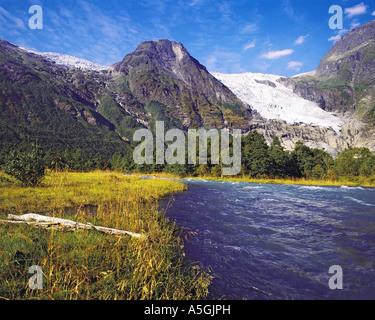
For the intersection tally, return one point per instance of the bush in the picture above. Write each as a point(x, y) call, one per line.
point(26, 165)
point(216, 171)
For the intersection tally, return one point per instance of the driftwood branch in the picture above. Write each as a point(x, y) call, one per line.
point(46, 222)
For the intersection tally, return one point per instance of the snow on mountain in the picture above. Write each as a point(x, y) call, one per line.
point(275, 101)
point(70, 61)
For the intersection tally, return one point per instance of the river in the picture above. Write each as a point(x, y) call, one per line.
point(279, 241)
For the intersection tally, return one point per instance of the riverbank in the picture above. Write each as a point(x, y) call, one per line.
point(354, 182)
point(349, 182)
point(88, 264)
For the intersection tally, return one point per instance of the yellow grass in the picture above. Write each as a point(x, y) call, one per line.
point(88, 264)
point(63, 190)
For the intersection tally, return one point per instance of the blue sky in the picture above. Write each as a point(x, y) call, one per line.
point(284, 37)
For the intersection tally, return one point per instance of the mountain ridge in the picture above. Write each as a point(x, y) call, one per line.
point(160, 80)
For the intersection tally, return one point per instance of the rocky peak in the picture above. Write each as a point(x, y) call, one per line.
point(352, 57)
point(353, 39)
point(164, 52)
point(164, 71)
point(164, 57)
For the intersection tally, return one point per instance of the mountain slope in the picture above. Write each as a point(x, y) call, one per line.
point(40, 101)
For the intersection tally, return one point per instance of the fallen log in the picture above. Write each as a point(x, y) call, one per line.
point(46, 222)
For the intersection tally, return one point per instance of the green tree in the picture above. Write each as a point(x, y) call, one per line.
point(280, 159)
point(346, 164)
point(303, 157)
point(354, 162)
point(99, 162)
point(255, 155)
point(318, 172)
point(79, 160)
point(127, 163)
point(116, 161)
point(368, 167)
point(54, 160)
point(176, 169)
point(26, 165)
point(203, 170)
point(307, 159)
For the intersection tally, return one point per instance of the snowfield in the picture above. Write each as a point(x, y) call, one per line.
point(275, 101)
point(70, 61)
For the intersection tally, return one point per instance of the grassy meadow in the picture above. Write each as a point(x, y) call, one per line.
point(88, 264)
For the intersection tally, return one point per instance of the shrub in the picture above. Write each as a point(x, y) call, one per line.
point(26, 165)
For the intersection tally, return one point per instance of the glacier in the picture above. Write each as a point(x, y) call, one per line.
point(272, 100)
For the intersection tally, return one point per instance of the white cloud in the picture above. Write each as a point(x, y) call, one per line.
point(354, 24)
point(338, 36)
point(193, 3)
point(249, 45)
point(277, 54)
point(288, 9)
point(10, 20)
point(211, 62)
point(225, 11)
point(356, 10)
point(301, 39)
point(78, 31)
point(334, 38)
point(249, 28)
point(373, 14)
point(295, 65)
point(224, 61)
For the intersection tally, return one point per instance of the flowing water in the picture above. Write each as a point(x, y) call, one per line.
point(279, 241)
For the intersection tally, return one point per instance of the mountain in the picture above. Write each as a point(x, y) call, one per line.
point(345, 78)
point(163, 77)
point(344, 83)
point(162, 81)
point(52, 104)
point(62, 101)
point(339, 94)
point(61, 105)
